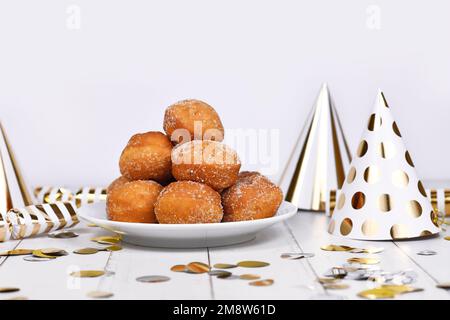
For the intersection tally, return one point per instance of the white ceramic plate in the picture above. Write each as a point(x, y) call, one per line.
point(184, 235)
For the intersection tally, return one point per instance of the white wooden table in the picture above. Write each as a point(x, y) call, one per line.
point(294, 279)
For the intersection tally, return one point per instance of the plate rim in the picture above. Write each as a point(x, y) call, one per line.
point(292, 211)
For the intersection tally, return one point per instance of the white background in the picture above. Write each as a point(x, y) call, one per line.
point(71, 98)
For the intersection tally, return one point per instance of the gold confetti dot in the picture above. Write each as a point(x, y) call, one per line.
point(396, 129)
point(375, 122)
point(224, 266)
point(358, 200)
point(198, 267)
point(385, 203)
point(262, 283)
point(249, 277)
point(100, 294)
point(179, 268)
point(421, 188)
point(346, 226)
point(414, 208)
point(351, 175)
point(253, 264)
point(362, 149)
point(400, 179)
point(408, 159)
point(88, 273)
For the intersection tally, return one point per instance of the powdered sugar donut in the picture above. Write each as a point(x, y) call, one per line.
point(147, 157)
point(117, 183)
point(209, 162)
point(252, 197)
point(192, 120)
point(133, 202)
point(188, 202)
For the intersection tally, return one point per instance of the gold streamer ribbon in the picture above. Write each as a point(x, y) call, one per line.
point(85, 195)
point(56, 211)
point(38, 219)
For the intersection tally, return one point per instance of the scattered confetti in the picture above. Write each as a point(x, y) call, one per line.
point(179, 268)
point(427, 253)
point(198, 267)
point(333, 247)
point(100, 294)
point(152, 279)
point(297, 256)
point(86, 251)
point(262, 283)
point(363, 260)
point(249, 277)
point(63, 235)
point(253, 264)
point(224, 266)
point(17, 252)
point(87, 273)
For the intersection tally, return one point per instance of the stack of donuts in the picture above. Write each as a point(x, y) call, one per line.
point(187, 175)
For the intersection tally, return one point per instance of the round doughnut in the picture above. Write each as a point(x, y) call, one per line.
point(117, 183)
point(252, 197)
point(192, 120)
point(188, 202)
point(209, 162)
point(133, 202)
point(147, 157)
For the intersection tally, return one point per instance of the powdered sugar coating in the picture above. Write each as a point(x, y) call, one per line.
point(147, 156)
point(252, 197)
point(188, 114)
point(133, 201)
point(209, 162)
point(185, 202)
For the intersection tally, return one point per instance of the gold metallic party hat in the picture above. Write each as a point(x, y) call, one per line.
point(322, 157)
point(382, 198)
point(13, 190)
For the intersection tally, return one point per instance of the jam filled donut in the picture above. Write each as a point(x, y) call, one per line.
point(147, 157)
point(117, 183)
point(188, 202)
point(133, 202)
point(192, 120)
point(252, 197)
point(209, 162)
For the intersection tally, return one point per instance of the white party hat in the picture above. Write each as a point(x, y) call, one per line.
point(382, 198)
point(322, 158)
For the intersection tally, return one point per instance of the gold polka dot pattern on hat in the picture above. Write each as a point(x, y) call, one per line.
point(370, 227)
point(400, 179)
point(358, 200)
point(399, 231)
point(395, 129)
point(375, 122)
point(346, 226)
point(385, 203)
point(341, 201)
point(425, 233)
point(351, 175)
point(421, 188)
point(386, 150)
point(372, 174)
point(414, 209)
point(362, 149)
point(408, 159)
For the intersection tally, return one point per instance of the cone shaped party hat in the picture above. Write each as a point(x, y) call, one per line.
point(322, 158)
point(13, 190)
point(382, 198)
